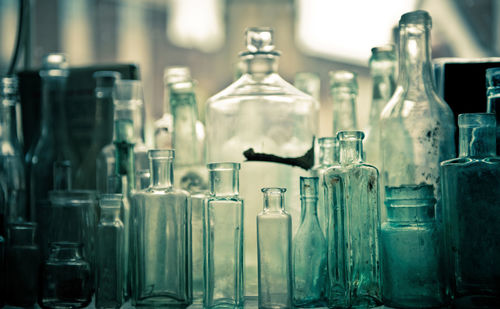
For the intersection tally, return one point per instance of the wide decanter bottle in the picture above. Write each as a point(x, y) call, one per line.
point(416, 126)
point(261, 111)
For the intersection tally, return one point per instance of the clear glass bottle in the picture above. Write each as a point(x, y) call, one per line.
point(274, 249)
point(344, 91)
point(310, 83)
point(309, 251)
point(493, 98)
point(353, 231)
point(471, 212)
point(383, 74)
point(22, 260)
point(66, 279)
point(103, 127)
point(53, 144)
point(110, 254)
point(224, 239)
point(261, 111)
point(161, 239)
point(411, 250)
point(12, 171)
point(328, 156)
point(416, 126)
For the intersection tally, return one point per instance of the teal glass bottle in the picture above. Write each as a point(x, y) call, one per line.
point(274, 252)
point(223, 236)
point(161, 239)
point(309, 251)
point(411, 250)
point(493, 98)
point(353, 231)
point(471, 213)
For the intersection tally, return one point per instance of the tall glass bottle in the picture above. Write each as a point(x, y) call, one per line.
point(109, 253)
point(161, 239)
point(12, 174)
point(471, 212)
point(309, 251)
point(274, 251)
point(383, 73)
point(103, 128)
point(416, 126)
point(308, 82)
point(53, 144)
point(223, 236)
point(353, 230)
point(493, 98)
point(261, 111)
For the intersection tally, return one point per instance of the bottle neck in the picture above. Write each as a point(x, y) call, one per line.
point(351, 151)
point(309, 208)
point(110, 214)
point(383, 88)
point(162, 172)
point(224, 182)
point(62, 175)
point(274, 200)
point(8, 126)
point(477, 141)
point(53, 111)
point(260, 65)
point(327, 154)
point(103, 127)
point(66, 251)
point(22, 234)
point(410, 203)
point(344, 109)
point(184, 138)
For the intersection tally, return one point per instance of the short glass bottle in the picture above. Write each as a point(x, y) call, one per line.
point(66, 279)
point(471, 213)
point(493, 98)
point(353, 230)
point(223, 236)
point(161, 239)
point(23, 261)
point(309, 251)
point(411, 250)
point(109, 253)
point(274, 252)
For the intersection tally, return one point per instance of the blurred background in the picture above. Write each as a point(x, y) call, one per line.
point(206, 35)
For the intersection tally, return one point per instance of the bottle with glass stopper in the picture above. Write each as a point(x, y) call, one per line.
point(493, 98)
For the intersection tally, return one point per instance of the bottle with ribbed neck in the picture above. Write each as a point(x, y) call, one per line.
point(309, 251)
point(353, 228)
point(223, 236)
point(383, 74)
point(493, 98)
point(262, 111)
point(161, 239)
point(416, 126)
point(274, 252)
point(471, 212)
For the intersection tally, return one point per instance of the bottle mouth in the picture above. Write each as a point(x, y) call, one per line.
point(327, 141)
point(110, 198)
point(476, 120)
point(106, 78)
point(419, 17)
point(128, 90)
point(54, 65)
point(344, 79)
point(273, 190)
point(167, 154)
point(223, 166)
point(350, 135)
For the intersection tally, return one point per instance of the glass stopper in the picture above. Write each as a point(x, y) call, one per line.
point(259, 39)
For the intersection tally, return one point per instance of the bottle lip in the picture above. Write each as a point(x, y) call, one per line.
point(54, 65)
point(384, 49)
point(9, 85)
point(167, 154)
point(110, 197)
point(343, 78)
point(327, 141)
point(273, 190)
point(475, 120)
point(174, 74)
point(350, 135)
point(419, 17)
point(106, 78)
point(223, 166)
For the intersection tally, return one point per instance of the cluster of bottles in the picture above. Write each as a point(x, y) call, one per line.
point(132, 230)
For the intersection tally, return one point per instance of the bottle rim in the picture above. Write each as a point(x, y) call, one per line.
point(349, 135)
point(273, 190)
point(475, 120)
point(419, 17)
point(167, 154)
point(223, 166)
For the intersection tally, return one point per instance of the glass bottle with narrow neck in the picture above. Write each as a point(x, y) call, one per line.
point(417, 126)
point(274, 251)
point(471, 212)
point(224, 238)
point(353, 227)
point(11, 157)
point(309, 251)
point(161, 239)
point(493, 98)
point(383, 73)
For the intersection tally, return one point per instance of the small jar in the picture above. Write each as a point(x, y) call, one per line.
point(66, 277)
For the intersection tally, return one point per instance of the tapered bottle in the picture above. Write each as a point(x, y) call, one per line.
point(383, 74)
point(493, 98)
point(161, 239)
point(309, 251)
point(274, 251)
point(471, 213)
point(223, 236)
point(416, 126)
point(353, 230)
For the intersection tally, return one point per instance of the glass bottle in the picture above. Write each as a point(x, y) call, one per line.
point(66, 279)
point(53, 144)
point(383, 74)
point(328, 156)
point(161, 239)
point(308, 82)
point(493, 98)
point(309, 251)
point(274, 251)
point(416, 126)
point(471, 212)
point(353, 230)
point(344, 91)
point(22, 260)
point(224, 238)
point(103, 128)
point(12, 171)
point(411, 250)
point(261, 111)
point(110, 255)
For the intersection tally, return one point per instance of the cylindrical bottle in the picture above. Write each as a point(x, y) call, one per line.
point(411, 250)
point(224, 238)
point(493, 98)
point(274, 251)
